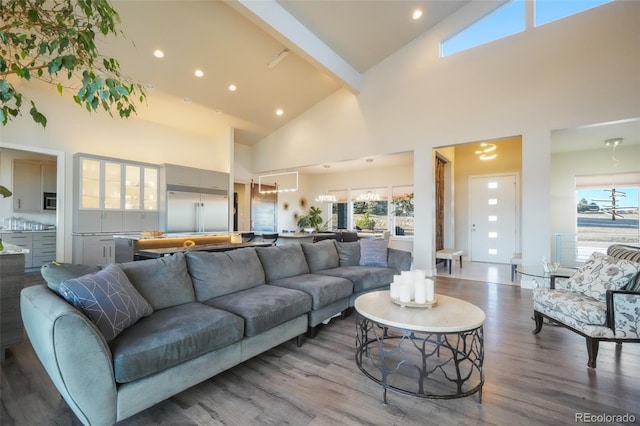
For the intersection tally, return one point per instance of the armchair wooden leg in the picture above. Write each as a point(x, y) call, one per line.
point(537, 317)
point(592, 351)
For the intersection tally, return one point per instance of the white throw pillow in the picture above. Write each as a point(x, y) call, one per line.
point(601, 273)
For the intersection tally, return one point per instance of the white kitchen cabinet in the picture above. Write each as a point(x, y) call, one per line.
point(133, 221)
point(23, 240)
point(196, 178)
point(105, 189)
point(27, 186)
point(49, 177)
point(44, 248)
point(41, 245)
point(93, 249)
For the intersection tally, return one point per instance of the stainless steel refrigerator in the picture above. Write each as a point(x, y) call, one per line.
point(197, 211)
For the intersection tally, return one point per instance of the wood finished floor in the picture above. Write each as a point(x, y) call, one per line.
point(529, 380)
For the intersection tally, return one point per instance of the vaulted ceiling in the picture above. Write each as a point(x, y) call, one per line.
point(330, 45)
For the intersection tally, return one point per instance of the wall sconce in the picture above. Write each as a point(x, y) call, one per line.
point(487, 151)
point(288, 182)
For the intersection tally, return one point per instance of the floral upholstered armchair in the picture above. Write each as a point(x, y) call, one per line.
point(601, 300)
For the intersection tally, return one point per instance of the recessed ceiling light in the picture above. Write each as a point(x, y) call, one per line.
point(417, 14)
point(186, 100)
point(614, 142)
point(158, 53)
point(279, 111)
point(369, 160)
point(327, 166)
point(149, 86)
point(198, 73)
point(233, 88)
point(218, 111)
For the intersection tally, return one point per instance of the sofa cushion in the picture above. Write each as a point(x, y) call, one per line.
point(217, 274)
point(55, 273)
point(601, 273)
point(373, 253)
point(282, 261)
point(264, 307)
point(565, 303)
point(323, 289)
point(364, 278)
point(348, 253)
point(321, 255)
point(163, 282)
point(108, 299)
point(171, 336)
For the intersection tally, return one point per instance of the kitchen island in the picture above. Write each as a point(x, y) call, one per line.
point(217, 247)
point(127, 246)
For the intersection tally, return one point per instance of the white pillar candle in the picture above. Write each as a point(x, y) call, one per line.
point(421, 291)
point(405, 293)
point(394, 289)
point(397, 279)
point(419, 274)
point(430, 290)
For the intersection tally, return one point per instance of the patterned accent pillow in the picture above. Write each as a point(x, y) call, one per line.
point(601, 273)
point(373, 253)
point(108, 298)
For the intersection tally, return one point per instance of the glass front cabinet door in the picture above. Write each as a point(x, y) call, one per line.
point(115, 196)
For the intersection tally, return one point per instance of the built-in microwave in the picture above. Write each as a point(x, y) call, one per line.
point(50, 201)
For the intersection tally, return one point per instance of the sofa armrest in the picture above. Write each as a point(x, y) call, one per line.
point(73, 352)
point(623, 313)
point(400, 260)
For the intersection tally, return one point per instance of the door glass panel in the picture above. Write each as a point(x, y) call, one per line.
point(112, 184)
point(90, 198)
point(150, 194)
point(132, 188)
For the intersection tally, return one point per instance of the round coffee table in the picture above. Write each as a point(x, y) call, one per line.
point(426, 352)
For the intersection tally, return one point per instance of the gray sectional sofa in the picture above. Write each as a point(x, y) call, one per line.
point(197, 314)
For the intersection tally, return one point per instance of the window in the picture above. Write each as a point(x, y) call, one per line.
point(370, 209)
point(506, 20)
point(551, 10)
point(608, 214)
point(402, 210)
point(510, 19)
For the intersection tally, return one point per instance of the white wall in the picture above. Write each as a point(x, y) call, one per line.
point(579, 70)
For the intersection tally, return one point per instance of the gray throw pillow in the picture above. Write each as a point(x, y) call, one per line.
point(108, 299)
point(373, 253)
point(348, 253)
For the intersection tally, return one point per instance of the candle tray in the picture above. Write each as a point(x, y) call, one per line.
point(413, 304)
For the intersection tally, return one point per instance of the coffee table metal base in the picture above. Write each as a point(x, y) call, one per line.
point(422, 364)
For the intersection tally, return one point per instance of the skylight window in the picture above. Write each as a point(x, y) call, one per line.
point(506, 20)
point(551, 10)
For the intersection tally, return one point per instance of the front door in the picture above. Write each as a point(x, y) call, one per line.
point(493, 212)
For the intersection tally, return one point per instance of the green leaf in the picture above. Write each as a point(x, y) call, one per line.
point(59, 88)
point(33, 16)
point(37, 116)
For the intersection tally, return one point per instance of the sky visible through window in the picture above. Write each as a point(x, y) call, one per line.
point(510, 19)
point(594, 195)
point(551, 10)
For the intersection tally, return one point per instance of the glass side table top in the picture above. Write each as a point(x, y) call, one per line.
point(539, 272)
